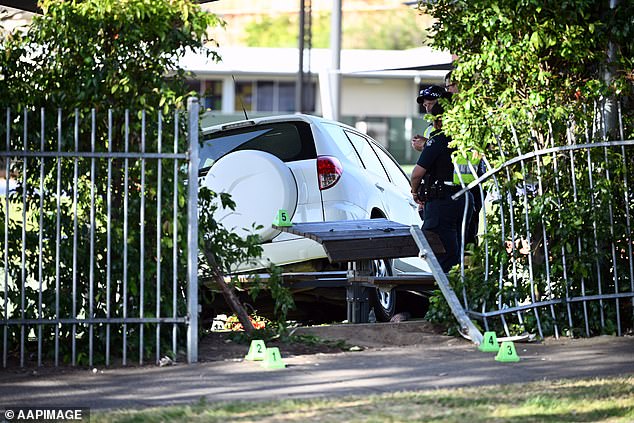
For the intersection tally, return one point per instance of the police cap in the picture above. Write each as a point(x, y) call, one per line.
point(433, 92)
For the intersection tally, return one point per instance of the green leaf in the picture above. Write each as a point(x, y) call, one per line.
point(535, 41)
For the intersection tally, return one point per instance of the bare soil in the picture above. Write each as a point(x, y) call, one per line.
point(328, 339)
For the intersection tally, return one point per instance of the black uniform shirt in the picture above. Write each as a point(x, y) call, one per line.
point(436, 157)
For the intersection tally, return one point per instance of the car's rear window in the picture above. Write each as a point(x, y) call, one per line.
point(288, 141)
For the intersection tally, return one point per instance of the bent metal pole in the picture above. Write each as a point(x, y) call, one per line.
point(467, 328)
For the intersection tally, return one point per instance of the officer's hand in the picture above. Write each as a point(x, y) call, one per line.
point(418, 142)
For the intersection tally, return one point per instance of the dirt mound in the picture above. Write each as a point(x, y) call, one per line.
point(376, 335)
point(218, 346)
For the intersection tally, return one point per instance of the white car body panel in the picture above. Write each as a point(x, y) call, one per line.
point(358, 194)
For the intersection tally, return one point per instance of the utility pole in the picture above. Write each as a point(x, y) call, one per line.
point(304, 43)
point(335, 50)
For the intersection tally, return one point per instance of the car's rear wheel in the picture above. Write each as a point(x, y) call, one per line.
point(383, 301)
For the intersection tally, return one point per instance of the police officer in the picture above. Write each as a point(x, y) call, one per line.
point(427, 97)
point(434, 170)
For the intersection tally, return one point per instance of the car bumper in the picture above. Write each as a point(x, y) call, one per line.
point(288, 251)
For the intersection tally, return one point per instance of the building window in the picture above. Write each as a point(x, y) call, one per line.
point(212, 96)
point(244, 96)
point(287, 97)
point(265, 94)
point(270, 96)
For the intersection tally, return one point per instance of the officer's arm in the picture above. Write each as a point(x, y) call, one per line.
point(417, 177)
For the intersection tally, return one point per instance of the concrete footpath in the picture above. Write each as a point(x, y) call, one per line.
point(451, 363)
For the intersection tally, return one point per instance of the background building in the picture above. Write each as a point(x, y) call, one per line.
point(382, 42)
point(375, 97)
point(378, 87)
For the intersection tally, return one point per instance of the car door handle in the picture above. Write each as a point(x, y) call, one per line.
point(411, 201)
point(379, 187)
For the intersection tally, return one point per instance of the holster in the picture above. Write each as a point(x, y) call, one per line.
point(429, 190)
point(434, 190)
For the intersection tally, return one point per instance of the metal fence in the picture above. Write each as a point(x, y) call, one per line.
point(555, 241)
point(99, 234)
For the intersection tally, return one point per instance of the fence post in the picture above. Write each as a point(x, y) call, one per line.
point(193, 108)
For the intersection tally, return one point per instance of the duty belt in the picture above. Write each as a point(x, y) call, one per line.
point(450, 188)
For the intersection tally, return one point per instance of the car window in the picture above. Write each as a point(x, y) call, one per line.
point(367, 154)
point(394, 171)
point(344, 144)
point(288, 141)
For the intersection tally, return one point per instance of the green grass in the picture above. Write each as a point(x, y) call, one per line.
point(586, 400)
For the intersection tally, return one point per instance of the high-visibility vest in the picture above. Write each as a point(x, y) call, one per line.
point(462, 170)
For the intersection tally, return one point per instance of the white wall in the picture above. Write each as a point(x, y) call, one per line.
point(377, 97)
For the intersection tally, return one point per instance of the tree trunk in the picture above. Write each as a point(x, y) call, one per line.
point(229, 294)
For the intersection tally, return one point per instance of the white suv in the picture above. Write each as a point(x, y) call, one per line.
point(315, 169)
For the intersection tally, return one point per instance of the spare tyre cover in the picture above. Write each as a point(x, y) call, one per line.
point(259, 183)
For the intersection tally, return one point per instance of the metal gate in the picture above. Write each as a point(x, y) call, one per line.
point(100, 236)
point(555, 241)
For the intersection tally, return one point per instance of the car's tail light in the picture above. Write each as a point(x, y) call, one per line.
point(329, 171)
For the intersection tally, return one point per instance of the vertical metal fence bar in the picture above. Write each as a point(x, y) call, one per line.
point(40, 267)
point(528, 233)
point(595, 120)
point(596, 236)
point(75, 230)
point(463, 228)
point(142, 240)
point(485, 230)
point(611, 216)
point(463, 239)
point(126, 183)
point(509, 198)
point(175, 238)
point(549, 284)
point(529, 256)
point(193, 109)
point(628, 227)
point(91, 277)
point(563, 249)
point(589, 138)
point(108, 236)
point(615, 274)
point(158, 238)
point(486, 248)
point(576, 199)
point(7, 173)
point(546, 241)
point(24, 207)
point(58, 232)
point(503, 237)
